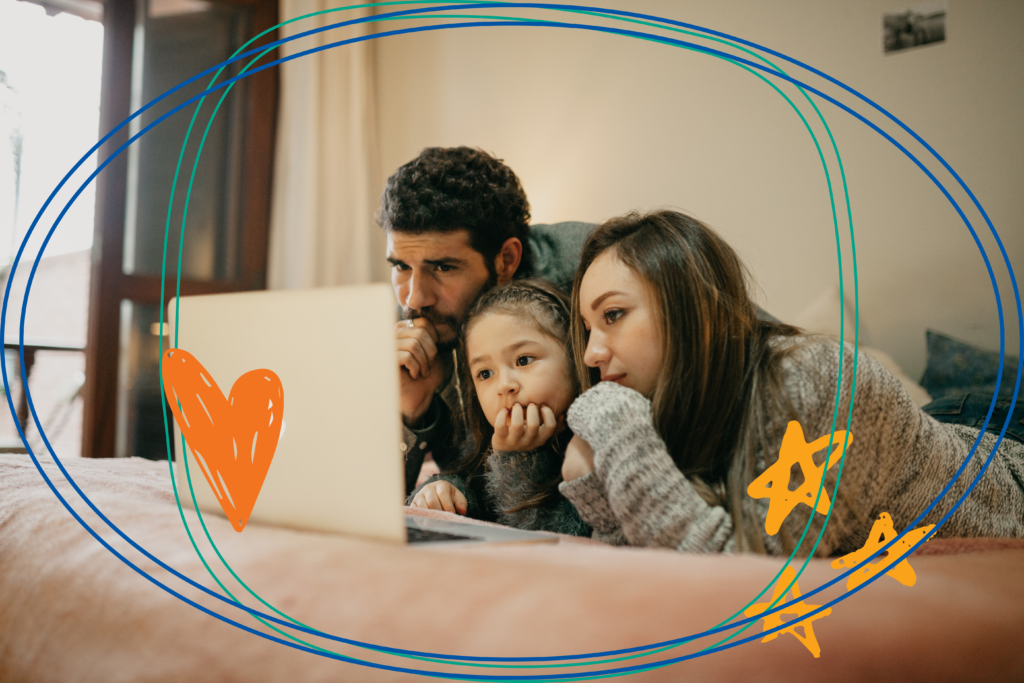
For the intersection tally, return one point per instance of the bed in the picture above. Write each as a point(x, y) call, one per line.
point(70, 610)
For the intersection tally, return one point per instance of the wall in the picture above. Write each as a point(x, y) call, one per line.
point(597, 124)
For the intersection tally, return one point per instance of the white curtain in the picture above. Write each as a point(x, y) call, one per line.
point(326, 171)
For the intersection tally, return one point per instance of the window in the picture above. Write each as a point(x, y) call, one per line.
point(150, 47)
point(50, 68)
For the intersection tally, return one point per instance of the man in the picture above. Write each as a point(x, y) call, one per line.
point(457, 224)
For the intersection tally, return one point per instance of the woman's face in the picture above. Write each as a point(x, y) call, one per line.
point(512, 362)
point(620, 311)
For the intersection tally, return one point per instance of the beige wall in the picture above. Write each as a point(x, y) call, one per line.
point(596, 125)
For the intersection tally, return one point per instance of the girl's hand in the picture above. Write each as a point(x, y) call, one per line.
point(441, 495)
point(519, 431)
point(579, 459)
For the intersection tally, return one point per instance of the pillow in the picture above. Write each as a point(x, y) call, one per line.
point(556, 250)
point(956, 367)
point(823, 315)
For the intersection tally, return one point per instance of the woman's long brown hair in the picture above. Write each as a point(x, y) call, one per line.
point(720, 398)
point(536, 302)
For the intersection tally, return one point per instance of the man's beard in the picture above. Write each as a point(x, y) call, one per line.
point(436, 319)
point(454, 324)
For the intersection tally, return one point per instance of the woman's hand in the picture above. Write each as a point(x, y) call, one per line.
point(517, 430)
point(441, 495)
point(579, 459)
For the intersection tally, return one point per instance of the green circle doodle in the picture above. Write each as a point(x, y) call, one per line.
point(450, 16)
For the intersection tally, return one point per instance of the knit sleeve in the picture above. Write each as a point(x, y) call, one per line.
point(587, 495)
point(900, 459)
point(652, 501)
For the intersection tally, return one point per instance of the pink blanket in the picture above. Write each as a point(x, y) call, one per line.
point(70, 610)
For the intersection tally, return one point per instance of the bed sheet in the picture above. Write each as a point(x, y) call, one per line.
point(70, 610)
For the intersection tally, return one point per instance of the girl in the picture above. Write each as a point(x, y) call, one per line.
point(687, 396)
point(516, 380)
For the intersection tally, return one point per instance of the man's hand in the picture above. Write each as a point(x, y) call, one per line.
point(420, 370)
point(519, 431)
point(579, 459)
point(441, 495)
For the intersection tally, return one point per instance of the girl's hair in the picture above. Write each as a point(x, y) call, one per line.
point(536, 302)
point(718, 400)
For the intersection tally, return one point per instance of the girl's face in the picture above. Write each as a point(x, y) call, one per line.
point(512, 362)
point(620, 311)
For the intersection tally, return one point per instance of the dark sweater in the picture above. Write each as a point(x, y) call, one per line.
point(513, 478)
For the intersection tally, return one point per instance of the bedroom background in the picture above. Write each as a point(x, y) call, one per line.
point(596, 125)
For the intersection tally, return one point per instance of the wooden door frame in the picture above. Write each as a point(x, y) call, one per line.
point(109, 285)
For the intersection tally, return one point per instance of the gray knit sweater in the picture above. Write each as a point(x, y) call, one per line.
point(898, 462)
point(514, 477)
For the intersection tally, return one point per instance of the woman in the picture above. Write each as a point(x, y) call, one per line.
point(687, 396)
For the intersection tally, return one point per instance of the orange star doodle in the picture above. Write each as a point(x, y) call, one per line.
point(882, 531)
point(773, 483)
point(799, 609)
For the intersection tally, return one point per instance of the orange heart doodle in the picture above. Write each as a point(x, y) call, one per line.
point(232, 439)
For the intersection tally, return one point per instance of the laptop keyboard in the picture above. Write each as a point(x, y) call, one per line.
point(416, 535)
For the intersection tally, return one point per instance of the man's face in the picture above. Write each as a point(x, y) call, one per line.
point(437, 276)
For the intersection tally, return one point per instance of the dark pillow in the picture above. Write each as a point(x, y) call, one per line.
point(955, 367)
point(556, 251)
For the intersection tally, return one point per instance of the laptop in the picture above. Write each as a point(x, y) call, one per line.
point(337, 466)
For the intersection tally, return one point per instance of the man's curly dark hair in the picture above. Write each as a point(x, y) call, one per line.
point(451, 188)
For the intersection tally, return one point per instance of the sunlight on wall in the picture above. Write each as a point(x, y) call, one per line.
point(596, 125)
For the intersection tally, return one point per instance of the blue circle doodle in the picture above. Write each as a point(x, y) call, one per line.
point(585, 27)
